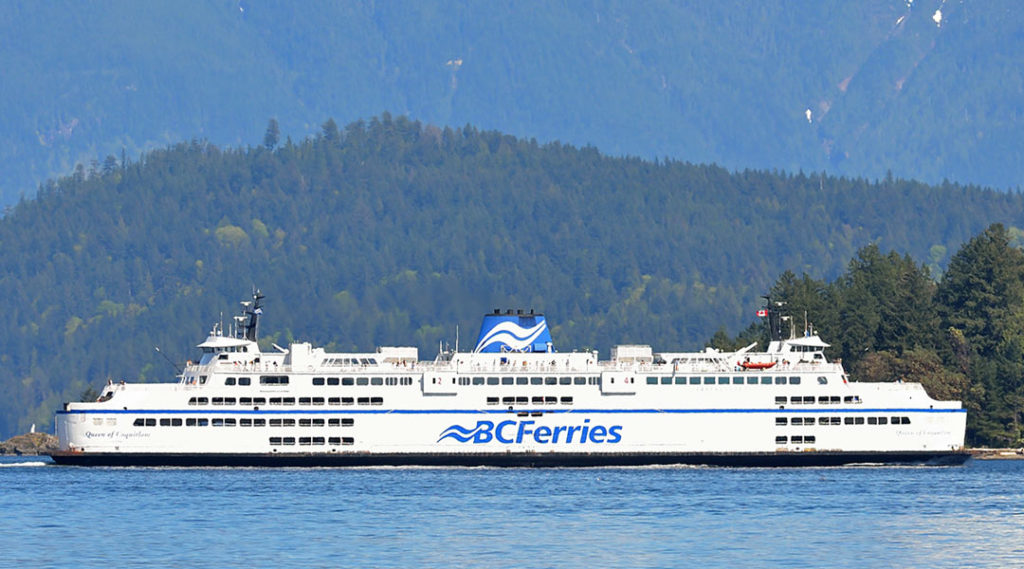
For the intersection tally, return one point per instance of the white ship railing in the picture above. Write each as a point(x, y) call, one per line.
point(554, 366)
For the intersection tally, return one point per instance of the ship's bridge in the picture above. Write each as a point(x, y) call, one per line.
point(804, 349)
point(224, 348)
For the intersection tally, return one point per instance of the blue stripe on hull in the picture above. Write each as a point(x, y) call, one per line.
point(350, 411)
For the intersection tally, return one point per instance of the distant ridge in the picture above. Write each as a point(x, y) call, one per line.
point(927, 90)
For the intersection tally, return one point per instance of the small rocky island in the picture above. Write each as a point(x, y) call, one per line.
point(29, 444)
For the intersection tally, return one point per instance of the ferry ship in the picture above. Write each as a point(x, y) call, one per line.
point(511, 401)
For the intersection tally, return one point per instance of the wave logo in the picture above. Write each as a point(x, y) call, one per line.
point(462, 434)
point(516, 432)
point(514, 336)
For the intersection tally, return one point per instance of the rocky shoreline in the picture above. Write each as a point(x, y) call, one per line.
point(29, 444)
point(997, 453)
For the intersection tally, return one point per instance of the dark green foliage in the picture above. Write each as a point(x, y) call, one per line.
point(963, 339)
point(391, 232)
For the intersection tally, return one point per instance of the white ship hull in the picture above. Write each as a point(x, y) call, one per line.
point(308, 407)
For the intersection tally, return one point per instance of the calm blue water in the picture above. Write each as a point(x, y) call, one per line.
point(970, 516)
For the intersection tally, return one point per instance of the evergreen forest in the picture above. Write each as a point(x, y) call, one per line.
point(392, 232)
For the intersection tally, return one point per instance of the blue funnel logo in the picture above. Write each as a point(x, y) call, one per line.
point(508, 333)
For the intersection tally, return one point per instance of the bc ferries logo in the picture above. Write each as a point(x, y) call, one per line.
point(515, 337)
point(518, 432)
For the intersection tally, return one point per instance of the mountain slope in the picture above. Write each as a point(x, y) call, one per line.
point(888, 88)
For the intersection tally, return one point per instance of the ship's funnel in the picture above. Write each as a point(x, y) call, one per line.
point(513, 333)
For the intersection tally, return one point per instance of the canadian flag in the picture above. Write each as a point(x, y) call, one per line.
point(762, 313)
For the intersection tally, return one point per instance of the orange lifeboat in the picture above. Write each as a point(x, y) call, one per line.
point(756, 365)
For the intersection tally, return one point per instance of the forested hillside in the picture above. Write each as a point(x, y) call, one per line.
point(393, 232)
point(929, 89)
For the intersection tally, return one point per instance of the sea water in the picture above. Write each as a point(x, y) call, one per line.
point(866, 516)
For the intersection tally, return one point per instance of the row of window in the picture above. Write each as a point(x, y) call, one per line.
point(312, 441)
point(821, 400)
point(244, 422)
point(524, 400)
point(285, 380)
point(350, 362)
point(362, 381)
point(779, 421)
point(508, 380)
point(726, 380)
point(256, 401)
point(795, 440)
